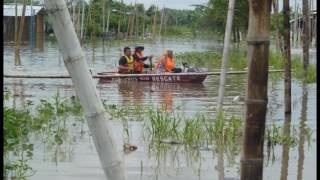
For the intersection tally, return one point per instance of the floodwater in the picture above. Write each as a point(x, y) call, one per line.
point(78, 158)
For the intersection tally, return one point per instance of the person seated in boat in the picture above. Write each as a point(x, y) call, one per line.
point(126, 62)
point(139, 59)
point(166, 63)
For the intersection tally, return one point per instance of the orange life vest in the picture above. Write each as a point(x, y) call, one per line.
point(138, 64)
point(169, 64)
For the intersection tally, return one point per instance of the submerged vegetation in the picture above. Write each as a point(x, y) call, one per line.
point(238, 61)
point(161, 129)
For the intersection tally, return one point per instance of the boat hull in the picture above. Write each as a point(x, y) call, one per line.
point(168, 78)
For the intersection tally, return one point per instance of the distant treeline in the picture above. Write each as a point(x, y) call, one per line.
point(114, 18)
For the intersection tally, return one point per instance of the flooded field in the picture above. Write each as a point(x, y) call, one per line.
point(76, 157)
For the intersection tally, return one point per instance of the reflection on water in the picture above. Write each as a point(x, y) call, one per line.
point(285, 148)
point(220, 166)
point(76, 156)
point(139, 93)
point(302, 128)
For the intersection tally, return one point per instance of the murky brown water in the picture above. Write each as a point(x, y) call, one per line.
point(78, 159)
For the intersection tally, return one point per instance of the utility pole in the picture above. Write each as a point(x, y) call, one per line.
point(225, 55)
point(96, 116)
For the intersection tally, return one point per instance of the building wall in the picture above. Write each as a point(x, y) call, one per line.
point(9, 30)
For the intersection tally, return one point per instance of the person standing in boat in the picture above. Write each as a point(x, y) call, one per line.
point(166, 63)
point(126, 62)
point(139, 59)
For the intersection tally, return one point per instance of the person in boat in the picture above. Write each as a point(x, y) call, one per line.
point(139, 59)
point(166, 63)
point(126, 62)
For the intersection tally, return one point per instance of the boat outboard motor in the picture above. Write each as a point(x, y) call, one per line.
point(187, 68)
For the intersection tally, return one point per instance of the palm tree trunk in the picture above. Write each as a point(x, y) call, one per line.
point(85, 87)
point(225, 55)
point(257, 88)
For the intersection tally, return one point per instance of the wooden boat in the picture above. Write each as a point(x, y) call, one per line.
point(188, 77)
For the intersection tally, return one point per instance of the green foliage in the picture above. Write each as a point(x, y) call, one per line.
point(274, 136)
point(238, 61)
point(16, 146)
point(215, 16)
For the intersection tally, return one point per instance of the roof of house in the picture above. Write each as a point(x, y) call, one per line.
point(9, 10)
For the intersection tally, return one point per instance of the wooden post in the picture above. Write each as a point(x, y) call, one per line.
point(257, 88)
point(17, 61)
point(287, 58)
point(85, 87)
point(305, 5)
point(225, 55)
point(39, 32)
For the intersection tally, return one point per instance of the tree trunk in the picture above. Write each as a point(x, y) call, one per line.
point(225, 55)
point(257, 88)
point(103, 18)
point(143, 25)
point(108, 18)
point(154, 23)
point(16, 22)
point(305, 38)
point(277, 36)
point(296, 27)
point(85, 87)
point(287, 58)
point(82, 22)
point(128, 27)
point(161, 22)
point(17, 61)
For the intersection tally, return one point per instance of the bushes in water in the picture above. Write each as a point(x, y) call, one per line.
point(238, 61)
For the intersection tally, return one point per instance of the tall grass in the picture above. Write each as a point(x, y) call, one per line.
point(238, 61)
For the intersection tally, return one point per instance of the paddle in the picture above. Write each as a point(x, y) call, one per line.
point(150, 63)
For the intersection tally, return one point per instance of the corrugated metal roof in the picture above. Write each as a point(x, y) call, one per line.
point(9, 10)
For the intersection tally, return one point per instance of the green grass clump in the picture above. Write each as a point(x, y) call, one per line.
point(298, 72)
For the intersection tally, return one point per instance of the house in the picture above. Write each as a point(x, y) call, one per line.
point(34, 26)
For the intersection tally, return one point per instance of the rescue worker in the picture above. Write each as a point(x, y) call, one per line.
point(139, 59)
point(126, 62)
point(167, 63)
